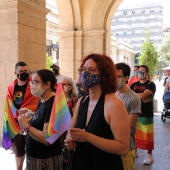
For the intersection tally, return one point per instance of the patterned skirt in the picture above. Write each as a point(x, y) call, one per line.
point(53, 163)
point(145, 133)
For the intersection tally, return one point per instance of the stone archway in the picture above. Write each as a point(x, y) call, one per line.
point(85, 28)
point(84, 25)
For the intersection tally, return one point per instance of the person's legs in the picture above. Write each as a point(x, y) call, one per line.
point(149, 160)
point(19, 162)
point(18, 145)
point(150, 152)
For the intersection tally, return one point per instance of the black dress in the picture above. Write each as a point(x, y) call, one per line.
point(86, 156)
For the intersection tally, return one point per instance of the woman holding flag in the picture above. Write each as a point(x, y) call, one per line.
point(99, 133)
point(41, 154)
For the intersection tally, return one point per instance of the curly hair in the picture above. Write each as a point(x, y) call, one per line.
point(107, 69)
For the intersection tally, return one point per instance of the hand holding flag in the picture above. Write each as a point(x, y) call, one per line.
point(60, 119)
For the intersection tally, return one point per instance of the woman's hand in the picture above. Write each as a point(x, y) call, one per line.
point(79, 135)
point(23, 121)
point(69, 144)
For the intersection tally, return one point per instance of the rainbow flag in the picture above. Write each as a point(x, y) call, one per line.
point(60, 119)
point(10, 126)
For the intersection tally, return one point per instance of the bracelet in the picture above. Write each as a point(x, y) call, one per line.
point(27, 129)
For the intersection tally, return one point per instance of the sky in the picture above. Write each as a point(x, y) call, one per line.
point(166, 5)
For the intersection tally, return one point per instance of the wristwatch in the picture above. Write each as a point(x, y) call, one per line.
point(27, 129)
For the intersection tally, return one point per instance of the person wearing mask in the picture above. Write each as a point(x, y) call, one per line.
point(70, 93)
point(134, 78)
point(145, 126)
point(133, 105)
point(97, 134)
point(19, 93)
point(40, 153)
point(56, 71)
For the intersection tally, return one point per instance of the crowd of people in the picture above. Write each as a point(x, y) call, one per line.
point(111, 115)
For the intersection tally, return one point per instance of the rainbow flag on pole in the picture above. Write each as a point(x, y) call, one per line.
point(10, 126)
point(60, 119)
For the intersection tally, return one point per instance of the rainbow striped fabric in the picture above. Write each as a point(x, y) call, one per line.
point(60, 119)
point(10, 126)
point(145, 133)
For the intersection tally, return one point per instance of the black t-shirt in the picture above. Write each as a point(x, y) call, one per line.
point(147, 108)
point(18, 95)
point(35, 148)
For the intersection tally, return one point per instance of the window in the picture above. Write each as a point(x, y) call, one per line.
point(117, 34)
point(49, 50)
point(133, 31)
point(125, 12)
point(143, 11)
point(124, 33)
point(133, 12)
point(152, 10)
point(117, 19)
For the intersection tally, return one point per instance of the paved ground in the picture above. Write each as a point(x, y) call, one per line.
point(161, 152)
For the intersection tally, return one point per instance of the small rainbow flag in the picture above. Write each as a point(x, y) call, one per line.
point(60, 119)
point(10, 126)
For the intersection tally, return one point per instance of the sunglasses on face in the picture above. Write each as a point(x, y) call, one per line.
point(141, 72)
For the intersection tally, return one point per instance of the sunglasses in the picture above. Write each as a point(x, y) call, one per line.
point(141, 72)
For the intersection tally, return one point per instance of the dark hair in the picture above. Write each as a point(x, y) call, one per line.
point(137, 66)
point(20, 63)
point(47, 75)
point(146, 68)
point(125, 69)
point(107, 69)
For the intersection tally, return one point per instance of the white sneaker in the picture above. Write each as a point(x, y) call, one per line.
point(149, 160)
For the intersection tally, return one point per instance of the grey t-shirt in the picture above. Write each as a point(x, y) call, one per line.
point(133, 105)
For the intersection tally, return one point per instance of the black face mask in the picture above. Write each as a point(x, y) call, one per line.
point(23, 77)
point(55, 71)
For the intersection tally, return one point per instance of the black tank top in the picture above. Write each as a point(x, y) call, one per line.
point(86, 156)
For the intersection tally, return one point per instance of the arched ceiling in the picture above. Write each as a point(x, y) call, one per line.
point(86, 14)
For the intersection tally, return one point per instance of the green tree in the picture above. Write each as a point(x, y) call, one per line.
point(149, 55)
point(164, 53)
point(49, 62)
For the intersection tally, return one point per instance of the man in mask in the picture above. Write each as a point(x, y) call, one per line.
point(56, 71)
point(19, 93)
point(145, 127)
point(134, 78)
point(133, 105)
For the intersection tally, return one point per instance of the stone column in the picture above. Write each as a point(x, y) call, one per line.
point(93, 42)
point(22, 38)
point(66, 53)
point(70, 51)
point(107, 46)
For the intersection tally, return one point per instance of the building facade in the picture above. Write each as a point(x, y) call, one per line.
point(52, 30)
point(129, 24)
point(121, 52)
